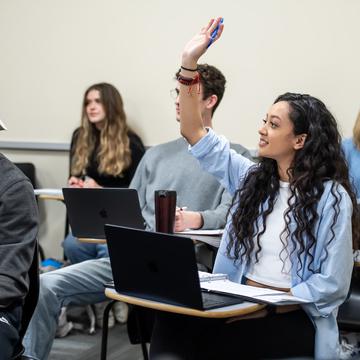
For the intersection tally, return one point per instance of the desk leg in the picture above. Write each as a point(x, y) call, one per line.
point(105, 329)
point(143, 343)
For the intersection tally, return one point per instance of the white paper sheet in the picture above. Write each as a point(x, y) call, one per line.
point(263, 294)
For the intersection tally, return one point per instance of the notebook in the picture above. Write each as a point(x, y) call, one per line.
point(159, 267)
point(89, 210)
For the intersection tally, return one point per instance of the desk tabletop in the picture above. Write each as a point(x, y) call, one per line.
point(51, 197)
point(210, 237)
point(224, 312)
point(49, 194)
point(211, 240)
point(92, 240)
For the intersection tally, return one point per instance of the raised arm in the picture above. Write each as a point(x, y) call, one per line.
point(191, 125)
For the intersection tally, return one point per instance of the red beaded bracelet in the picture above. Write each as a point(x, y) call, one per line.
point(188, 81)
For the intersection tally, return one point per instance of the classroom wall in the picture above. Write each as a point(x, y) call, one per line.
point(52, 50)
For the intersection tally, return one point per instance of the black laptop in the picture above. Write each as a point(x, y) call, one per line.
point(159, 267)
point(89, 210)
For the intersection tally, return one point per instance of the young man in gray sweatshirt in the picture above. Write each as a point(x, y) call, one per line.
point(18, 231)
point(167, 167)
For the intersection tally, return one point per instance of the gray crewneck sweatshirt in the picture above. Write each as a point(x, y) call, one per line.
point(169, 166)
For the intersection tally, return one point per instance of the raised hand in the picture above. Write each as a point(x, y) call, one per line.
point(197, 46)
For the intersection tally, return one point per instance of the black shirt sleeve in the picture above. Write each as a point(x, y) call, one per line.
point(137, 151)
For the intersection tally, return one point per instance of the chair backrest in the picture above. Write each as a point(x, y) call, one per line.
point(29, 170)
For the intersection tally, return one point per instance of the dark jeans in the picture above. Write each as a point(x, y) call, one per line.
point(10, 320)
point(182, 337)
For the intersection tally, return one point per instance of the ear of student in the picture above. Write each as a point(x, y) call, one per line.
point(300, 141)
point(211, 101)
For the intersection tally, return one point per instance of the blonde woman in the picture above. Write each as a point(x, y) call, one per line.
point(104, 153)
point(351, 148)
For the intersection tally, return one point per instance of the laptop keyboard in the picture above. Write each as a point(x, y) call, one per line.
point(212, 300)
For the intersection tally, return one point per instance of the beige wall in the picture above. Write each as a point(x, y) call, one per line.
point(51, 50)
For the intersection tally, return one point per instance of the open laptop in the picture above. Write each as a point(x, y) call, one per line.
point(89, 210)
point(160, 267)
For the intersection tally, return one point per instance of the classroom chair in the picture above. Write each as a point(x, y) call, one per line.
point(29, 170)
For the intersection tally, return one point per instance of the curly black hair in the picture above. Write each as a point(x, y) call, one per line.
point(321, 159)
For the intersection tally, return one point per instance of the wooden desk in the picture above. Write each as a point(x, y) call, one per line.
point(92, 240)
point(51, 197)
point(49, 194)
point(211, 240)
point(224, 312)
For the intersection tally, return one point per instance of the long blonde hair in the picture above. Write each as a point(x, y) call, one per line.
point(356, 132)
point(114, 154)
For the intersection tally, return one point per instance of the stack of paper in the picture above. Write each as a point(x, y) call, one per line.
point(215, 232)
point(211, 237)
point(205, 276)
point(252, 293)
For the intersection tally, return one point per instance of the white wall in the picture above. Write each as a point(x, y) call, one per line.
point(51, 50)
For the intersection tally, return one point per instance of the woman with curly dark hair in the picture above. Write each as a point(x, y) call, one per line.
point(291, 227)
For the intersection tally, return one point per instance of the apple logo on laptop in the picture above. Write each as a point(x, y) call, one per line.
point(103, 213)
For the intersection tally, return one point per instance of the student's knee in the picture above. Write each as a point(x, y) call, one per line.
point(70, 245)
point(49, 288)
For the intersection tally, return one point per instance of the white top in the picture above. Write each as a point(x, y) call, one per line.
point(273, 267)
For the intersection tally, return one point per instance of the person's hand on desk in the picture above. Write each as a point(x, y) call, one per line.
point(76, 182)
point(90, 183)
point(187, 220)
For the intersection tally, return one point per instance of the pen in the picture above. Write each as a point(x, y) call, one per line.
point(214, 33)
point(183, 208)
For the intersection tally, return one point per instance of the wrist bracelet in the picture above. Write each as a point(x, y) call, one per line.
point(188, 81)
point(187, 69)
